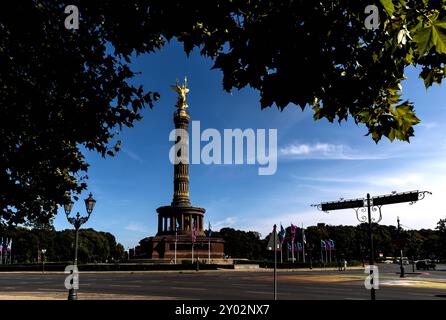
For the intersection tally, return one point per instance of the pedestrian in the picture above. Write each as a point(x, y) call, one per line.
point(345, 265)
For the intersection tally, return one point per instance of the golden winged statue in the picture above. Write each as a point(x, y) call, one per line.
point(182, 91)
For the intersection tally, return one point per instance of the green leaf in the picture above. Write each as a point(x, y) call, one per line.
point(431, 36)
point(388, 6)
point(392, 134)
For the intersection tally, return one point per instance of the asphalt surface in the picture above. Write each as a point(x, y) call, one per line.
point(229, 285)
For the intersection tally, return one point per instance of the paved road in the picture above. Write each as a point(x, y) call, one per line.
point(255, 285)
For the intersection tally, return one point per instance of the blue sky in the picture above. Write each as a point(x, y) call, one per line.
point(317, 161)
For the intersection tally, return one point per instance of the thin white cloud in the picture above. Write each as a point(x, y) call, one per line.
point(427, 175)
point(389, 180)
point(226, 223)
point(326, 151)
point(428, 125)
point(137, 227)
point(132, 155)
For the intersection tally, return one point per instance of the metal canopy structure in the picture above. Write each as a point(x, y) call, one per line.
point(364, 208)
point(412, 197)
point(339, 205)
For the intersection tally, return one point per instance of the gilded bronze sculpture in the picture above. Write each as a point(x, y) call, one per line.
point(182, 91)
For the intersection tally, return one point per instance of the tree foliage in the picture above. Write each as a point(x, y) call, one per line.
point(241, 244)
point(351, 242)
point(94, 246)
point(66, 91)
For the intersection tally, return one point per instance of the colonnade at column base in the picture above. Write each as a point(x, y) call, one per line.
point(163, 247)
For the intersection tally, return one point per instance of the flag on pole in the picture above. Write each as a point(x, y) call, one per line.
point(299, 246)
point(328, 245)
point(177, 227)
point(323, 245)
point(293, 232)
point(8, 248)
point(281, 234)
point(194, 235)
point(210, 230)
point(289, 246)
point(304, 238)
point(1, 246)
point(332, 244)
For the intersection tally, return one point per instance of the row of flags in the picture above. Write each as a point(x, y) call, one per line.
point(5, 245)
point(194, 231)
point(298, 248)
point(281, 235)
point(327, 245)
point(6, 248)
point(294, 246)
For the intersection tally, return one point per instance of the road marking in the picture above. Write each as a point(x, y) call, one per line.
point(124, 285)
point(188, 288)
point(51, 290)
point(420, 294)
point(259, 292)
point(249, 285)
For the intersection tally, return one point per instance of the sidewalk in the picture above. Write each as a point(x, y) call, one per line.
point(52, 295)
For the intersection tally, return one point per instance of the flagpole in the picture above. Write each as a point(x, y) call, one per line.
point(275, 262)
point(326, 255)
point(5, 261)
point(281, 259)
point(293, 235)
point(303, 242)
point(292, 251)
point(1, 252)
point(322, 256)
point(193, 239)
point(6, 252)
point(176, 247)
point(209, 244)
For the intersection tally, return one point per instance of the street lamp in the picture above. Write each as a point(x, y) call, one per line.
point(362, 249)
point(311, 248)
point(43, 260)
point(77, 222)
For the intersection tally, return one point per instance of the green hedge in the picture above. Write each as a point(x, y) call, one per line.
point(290, 265)
point(107, 267)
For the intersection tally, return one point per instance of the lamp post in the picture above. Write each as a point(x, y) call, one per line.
point(401, 250)
point(362, 248)
point(43, 260)
point(77, 222)
point(310, 249)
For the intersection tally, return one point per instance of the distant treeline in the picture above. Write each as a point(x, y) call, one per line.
point(351, 242)
point(94, 246)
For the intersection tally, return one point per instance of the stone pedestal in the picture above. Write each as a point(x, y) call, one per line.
point(163, 248)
